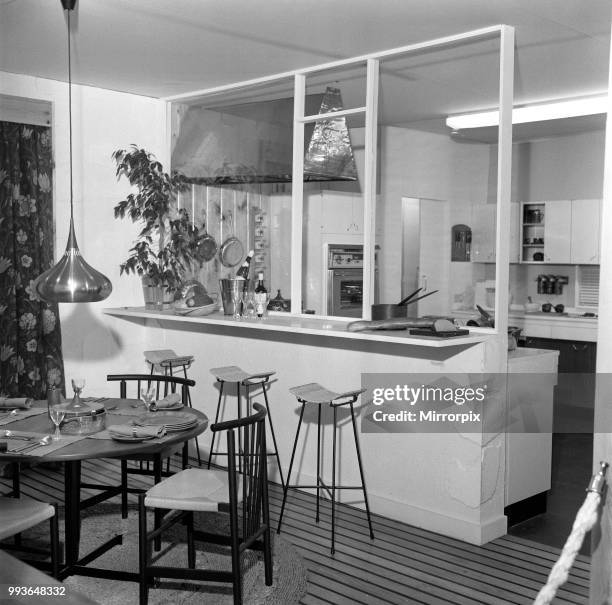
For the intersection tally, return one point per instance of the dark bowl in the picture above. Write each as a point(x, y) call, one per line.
point(546, 307)
point(559, 308)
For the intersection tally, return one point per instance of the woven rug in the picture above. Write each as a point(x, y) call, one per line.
point(99, 524)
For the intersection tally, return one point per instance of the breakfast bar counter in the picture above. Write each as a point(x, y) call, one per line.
point(285, 322)
point(451, 483)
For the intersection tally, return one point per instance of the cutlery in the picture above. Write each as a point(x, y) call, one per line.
point(12, 435)
point(46, 440)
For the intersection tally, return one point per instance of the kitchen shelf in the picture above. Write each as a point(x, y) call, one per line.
point(532, 227)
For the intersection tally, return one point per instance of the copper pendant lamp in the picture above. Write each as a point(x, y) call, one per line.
point(72, 279)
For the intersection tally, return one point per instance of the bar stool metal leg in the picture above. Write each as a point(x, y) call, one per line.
point(319, 480)
point(363, 485)
point(212, 443)
point(278, 462)
point(189, 401)
point(297, 434)
point(333, 490)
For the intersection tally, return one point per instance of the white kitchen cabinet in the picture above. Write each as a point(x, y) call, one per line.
point(546, 232)
point(532, 376)
point(585, 228)
point(561, 232)
point(483, 233)
point(557, 231)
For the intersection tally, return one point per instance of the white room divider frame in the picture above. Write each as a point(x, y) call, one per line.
point(370, 111)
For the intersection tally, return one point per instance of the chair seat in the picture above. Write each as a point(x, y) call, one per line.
point(313, 392)
point(236, 374)
point(19, 514)
point(192, 489)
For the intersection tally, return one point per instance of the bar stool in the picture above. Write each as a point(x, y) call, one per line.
point(168, 361)
point(314, 393)
point(247, 380)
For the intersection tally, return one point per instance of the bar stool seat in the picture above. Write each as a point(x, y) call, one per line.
point(315, 394)
point(236, 374)
point(242, 378)
point(168, 361)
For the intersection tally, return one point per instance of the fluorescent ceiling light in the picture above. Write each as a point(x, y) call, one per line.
point(554, 110)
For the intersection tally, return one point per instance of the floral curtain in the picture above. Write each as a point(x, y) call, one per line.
point(30, 337)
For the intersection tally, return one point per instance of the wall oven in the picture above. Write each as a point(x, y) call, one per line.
point(345, 281)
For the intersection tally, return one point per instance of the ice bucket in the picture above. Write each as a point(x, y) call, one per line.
point(228, 288)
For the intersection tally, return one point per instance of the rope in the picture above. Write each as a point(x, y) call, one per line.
point(585, 520)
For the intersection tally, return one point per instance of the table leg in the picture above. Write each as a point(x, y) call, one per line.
point(72, 502)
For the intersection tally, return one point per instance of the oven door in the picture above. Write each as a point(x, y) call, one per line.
point(345, 292)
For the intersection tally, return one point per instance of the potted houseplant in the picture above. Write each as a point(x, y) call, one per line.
point(167, 245)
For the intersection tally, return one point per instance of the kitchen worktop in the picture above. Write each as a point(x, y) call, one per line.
point(285, 322)
point(562, 326)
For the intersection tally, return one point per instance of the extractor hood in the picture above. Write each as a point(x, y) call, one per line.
point(253, 142)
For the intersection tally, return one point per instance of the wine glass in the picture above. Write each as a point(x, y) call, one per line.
point(237, 298)
point(57, 413)
point(147, 396)
point(78, 384)
point(249, 304)
point(261, 304)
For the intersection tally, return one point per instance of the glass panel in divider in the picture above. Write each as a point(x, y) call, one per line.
point(436, 203)
point(332, 234)
point(332, 222)
point(234, 148)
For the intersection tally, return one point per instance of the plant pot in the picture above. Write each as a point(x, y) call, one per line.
point(156, 298)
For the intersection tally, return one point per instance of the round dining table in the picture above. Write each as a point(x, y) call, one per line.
point(119, 411)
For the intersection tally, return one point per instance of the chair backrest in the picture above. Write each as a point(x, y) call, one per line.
point(253, 479)
point(130, 385)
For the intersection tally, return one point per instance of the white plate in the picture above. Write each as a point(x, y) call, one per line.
point(167, 419)
point(178, 429)
point(127, 439)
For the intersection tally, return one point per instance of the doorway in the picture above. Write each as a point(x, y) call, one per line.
point(425, 254)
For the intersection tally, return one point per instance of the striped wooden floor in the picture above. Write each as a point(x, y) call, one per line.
point(402, 565)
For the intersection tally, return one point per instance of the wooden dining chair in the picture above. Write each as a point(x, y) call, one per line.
point(244, 496)
point(130, 386)
point(20, 514)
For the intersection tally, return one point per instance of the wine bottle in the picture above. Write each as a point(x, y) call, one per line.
point(243, 272)
point(261, 296)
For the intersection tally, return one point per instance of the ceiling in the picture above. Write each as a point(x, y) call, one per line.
point(159, 49)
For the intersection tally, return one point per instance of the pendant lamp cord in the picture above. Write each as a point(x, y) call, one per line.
point(70, 112)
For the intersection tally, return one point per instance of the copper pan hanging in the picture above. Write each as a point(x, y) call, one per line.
point(231, 251)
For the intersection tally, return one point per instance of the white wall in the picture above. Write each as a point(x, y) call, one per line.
point(424, 165)
point(560, 168)
point(103, 121)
